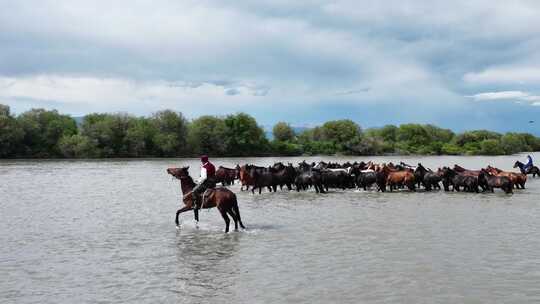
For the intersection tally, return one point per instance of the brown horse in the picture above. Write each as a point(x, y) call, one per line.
point(225, 176)
point(245, 177)
point(221, 198)
point(517, 179)
point(464, 171)
point(473, 173)
point(395, 178)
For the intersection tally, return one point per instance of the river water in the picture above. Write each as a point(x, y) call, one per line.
point(103, 231)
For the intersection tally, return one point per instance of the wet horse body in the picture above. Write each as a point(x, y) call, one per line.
point(221, 198)
point(517, 179)
point(263, 177)
point(458, 180)
point(472, 173)
point(308, 176)
point(226, 176)
point(284, 175)
point(494, 181)
point(398, 178)
point(428, 178)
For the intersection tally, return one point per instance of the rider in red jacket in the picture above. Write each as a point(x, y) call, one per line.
point(206, 181)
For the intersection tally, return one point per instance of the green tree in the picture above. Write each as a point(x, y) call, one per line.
point(512, 143)
point(282, 131)
point(207, 135)
point(78, 146)
point(139, 137)
point(340, 132)
point(286, 148)
point(170, 133)
point(11, 134)
point(413, 135)
point(451, 149)
point(389, 133)
point(244, 136)
point(491, 147)
point(109, 132)
point(43, 130)
point(475, 136)
point(438, 134)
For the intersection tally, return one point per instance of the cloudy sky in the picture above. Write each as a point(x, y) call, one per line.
point(458, 64)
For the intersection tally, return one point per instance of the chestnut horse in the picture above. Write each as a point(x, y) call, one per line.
point(221, 198)
point(245, 178)
point(396, 178)
point(517, 179)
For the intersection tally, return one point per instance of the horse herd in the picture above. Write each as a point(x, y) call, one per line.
point(323, 176)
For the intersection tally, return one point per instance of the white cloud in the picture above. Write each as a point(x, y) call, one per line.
point(505, 75)
point(112, 94)
point(516, 96)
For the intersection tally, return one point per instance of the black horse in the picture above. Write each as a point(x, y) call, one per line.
point(532, 170)
point(427, 177)
point(451, 177)
point(284, 175)
point(263, 178)
point(308, 176)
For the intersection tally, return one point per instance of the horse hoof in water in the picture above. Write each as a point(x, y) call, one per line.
point(177, 227)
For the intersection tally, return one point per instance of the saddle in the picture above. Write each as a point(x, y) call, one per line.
point(207, 194)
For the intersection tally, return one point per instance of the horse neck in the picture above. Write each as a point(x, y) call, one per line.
point(186, 184)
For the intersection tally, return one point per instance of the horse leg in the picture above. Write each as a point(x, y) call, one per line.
point(196, 213)
point(226, 218)
point(235, 219)
point(237, 212)
point(184, 209)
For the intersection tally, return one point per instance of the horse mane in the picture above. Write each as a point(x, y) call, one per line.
point(189, 181)
point(459, 168)
point(226, 168)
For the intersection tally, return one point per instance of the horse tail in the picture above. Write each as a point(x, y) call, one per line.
point(236, 210)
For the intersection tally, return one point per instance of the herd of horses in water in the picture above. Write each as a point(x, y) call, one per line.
point(323, 176)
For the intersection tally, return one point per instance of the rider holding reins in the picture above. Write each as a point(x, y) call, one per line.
point(206, 181)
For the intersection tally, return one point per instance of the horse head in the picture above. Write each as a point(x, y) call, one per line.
point(178, 172)
point(448, 172)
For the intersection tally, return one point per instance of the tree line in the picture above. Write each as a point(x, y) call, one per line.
point(40, 133)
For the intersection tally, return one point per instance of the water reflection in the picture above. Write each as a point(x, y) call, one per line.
point(206, 265)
